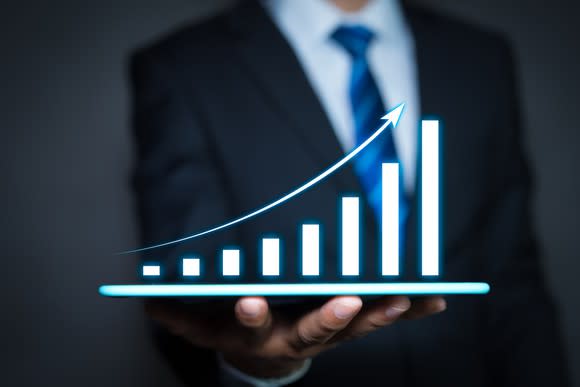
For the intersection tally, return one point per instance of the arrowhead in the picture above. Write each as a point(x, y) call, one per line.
point(394, 114)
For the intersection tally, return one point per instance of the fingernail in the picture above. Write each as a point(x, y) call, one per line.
point(250, 307)
point(395, 311)
point(441, 305)
point(346, 308)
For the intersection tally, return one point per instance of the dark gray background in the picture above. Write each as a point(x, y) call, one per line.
point(65, 154)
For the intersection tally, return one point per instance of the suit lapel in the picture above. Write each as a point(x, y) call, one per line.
point(271, 62)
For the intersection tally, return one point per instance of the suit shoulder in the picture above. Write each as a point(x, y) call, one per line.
point(194, 36)
point(459, 32)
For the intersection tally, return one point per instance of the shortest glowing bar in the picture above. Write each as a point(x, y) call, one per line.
point(151, 270)
point(191, 267)
point(271, 256)
point(231, 262)
point(350, 236)
point(317, 289)
point(390, 219)
point(430, 198)
point(310, 249)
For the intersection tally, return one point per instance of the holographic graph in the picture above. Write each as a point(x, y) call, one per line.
point(350, 236)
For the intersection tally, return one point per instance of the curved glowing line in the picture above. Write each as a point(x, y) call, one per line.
point(397, 110)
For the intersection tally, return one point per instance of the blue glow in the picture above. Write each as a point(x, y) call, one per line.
point(392, 117)
point(240, 262)
point(191, 276)
point(155, 266)
point(321, 266)
point(280, 256)
point(304, 289)
point(340, 210)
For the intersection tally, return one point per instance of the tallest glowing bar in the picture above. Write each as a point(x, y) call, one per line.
point(430, 198)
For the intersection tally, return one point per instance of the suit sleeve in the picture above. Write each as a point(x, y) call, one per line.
point(525, 344)
point(179, 189)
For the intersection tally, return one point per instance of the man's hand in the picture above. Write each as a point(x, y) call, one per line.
point(261, 342)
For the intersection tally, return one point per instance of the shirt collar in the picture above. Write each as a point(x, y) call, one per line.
point(316, 20)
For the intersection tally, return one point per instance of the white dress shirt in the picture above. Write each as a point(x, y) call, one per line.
point(308, 25)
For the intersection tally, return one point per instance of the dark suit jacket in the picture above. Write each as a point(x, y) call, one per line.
point(225, 120)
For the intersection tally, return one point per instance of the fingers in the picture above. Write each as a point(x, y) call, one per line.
point(322, 324)
point(253, 314)
point(424, 307)
point(210, 326)
point(253, 329)
point(377, 315)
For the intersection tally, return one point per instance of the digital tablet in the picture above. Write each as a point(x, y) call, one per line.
point(294, 289)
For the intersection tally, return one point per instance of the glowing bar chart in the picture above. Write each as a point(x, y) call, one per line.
point(231, 262)
point(350, 234)
point(390, 220)
point(430, 198)
point(350, 227)
point(270, 256)
point(310, 249)
point(310, 243)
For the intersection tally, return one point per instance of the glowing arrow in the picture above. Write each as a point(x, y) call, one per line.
point(391, 118)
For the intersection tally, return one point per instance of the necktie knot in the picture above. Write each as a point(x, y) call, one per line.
point(354, 39)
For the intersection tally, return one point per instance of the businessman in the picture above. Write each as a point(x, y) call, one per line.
point(232, 112)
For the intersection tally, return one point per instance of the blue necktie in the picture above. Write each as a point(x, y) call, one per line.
point(367, 109)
